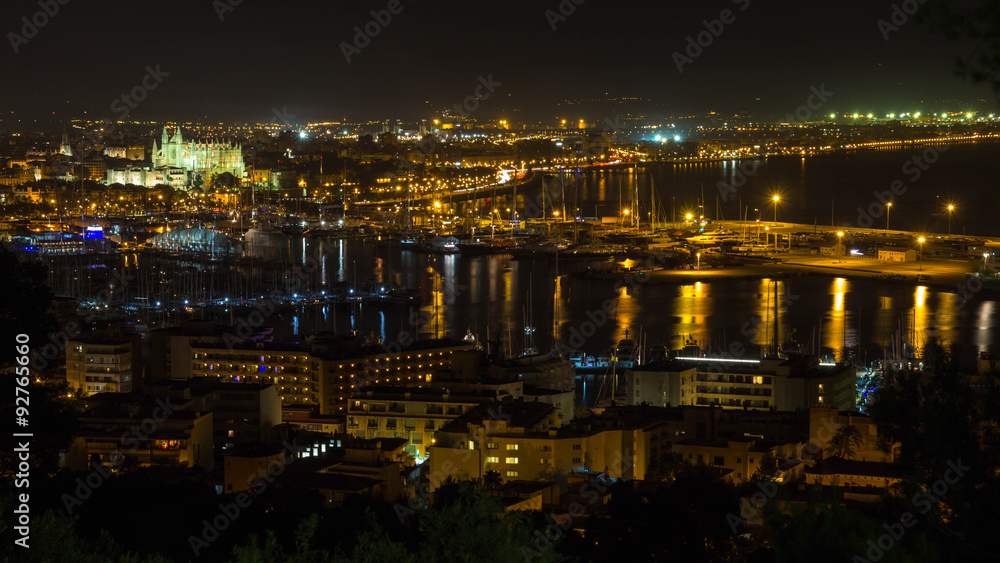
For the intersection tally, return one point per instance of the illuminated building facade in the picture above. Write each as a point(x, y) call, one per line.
point(109, 433)
point(524, 441)
point(101, 366)
point(412, 414)
point(738, 384)
point(327, 378)
point(198, 157)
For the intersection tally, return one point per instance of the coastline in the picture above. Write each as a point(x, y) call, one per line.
point(941, 275)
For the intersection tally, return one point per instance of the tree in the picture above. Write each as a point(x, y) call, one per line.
point(492, 481)
point(25, 303)
point(845, 441)
point(467, 526)
point(942, 425)
point(272, 550)
point(844, 532)
point(54, 537)
point(767, 468)
point(974, 25)
point(685, 521)
point(54, 422)
point(222, 182)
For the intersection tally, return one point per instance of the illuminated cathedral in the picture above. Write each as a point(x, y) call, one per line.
point(203, 157)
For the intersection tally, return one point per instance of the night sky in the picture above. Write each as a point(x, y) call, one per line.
point(266, 55)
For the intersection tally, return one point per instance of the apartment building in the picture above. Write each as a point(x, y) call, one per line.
point(324, 376)
point(123, 428)
point(103, 365)
point(525, 441)
point(737, 459)
point(243, 412)
point(781, 384)
point(409, 413)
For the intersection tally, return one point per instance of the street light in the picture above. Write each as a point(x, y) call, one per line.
point(840, 240)
point(776, 198)
point(699, 262)
point(920, 262)
point(888, 206)
point(951, 208)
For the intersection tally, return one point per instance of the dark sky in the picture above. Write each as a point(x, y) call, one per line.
point(268, 54)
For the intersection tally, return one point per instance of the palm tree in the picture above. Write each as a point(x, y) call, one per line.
point(845, 441)
point(492, 481)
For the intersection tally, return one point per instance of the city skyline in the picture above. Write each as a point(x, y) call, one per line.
point(228, 61)
point(549, 281)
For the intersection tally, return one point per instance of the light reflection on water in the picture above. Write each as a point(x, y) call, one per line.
point(837, 316)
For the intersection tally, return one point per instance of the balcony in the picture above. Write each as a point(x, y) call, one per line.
point(737, 391)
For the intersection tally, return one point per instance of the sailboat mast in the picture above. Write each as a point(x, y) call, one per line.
point(652, 207)
point(635, 199)
point(562, 189)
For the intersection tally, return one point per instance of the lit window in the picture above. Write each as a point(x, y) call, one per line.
point(511, 460)
point(512, 473)
point(492, 460)
point(511, 446)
